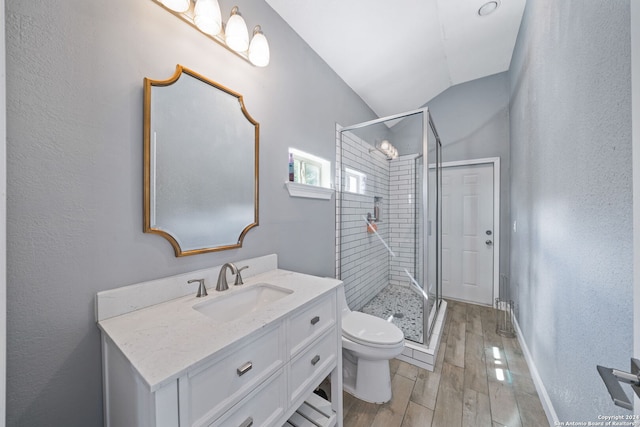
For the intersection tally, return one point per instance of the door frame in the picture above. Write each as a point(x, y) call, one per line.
point(635, 148)
point(3, 220)
point(495, 162)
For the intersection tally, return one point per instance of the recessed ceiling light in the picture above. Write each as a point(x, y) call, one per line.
point(488, 8)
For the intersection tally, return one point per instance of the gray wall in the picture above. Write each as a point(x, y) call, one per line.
point(74, 87)
point(571, 195)
point(472, 120)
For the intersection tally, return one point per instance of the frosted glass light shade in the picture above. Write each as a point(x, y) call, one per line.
point(207, 16)
point(259, 49)
point(236, 33)
point(176, 5)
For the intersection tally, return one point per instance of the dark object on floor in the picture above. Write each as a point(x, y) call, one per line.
point(321, 393)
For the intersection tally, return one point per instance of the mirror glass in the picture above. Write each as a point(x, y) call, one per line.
point(201, 164)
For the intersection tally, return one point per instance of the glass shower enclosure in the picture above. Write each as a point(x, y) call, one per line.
point(388, 220)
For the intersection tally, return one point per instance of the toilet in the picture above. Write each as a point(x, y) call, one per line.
point(368, 343)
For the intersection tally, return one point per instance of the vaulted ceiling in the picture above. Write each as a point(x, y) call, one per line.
point(398, 55)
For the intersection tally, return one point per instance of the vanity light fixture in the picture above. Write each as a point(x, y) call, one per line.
point(236, 33)
point(259, 48)
point(205, 15)
point(177, 5)
point(386, 148)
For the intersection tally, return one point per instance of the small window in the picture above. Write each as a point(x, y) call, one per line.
point(354, 181)
point(309, 169)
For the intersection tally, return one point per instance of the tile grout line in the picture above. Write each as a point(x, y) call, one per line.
point(486, 368)
point(514, 391)
point(404, 414)
point(443, 345)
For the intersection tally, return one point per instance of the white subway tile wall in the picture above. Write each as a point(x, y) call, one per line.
point(362, 261)
point(402, 217)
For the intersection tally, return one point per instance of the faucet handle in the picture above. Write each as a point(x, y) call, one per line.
point(239, 276)
point(202, 290)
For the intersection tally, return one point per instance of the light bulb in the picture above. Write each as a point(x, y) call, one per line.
point(259, 48)
point(207, 16)
point(177, 5)
point(385, 145)
point(236, 33)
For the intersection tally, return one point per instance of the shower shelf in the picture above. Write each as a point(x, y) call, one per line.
point(309, 191)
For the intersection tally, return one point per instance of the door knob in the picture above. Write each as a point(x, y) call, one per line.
point(489, 243)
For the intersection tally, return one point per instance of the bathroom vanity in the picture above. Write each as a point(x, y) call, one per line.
point(249, 356)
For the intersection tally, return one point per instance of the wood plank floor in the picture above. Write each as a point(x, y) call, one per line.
point(481, 379)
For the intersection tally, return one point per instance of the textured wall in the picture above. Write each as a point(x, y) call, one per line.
point(74, 88)
point(571, 253)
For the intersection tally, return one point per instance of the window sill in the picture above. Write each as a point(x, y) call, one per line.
point(308, 191)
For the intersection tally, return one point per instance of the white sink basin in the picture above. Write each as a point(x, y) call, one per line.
point(241, 302)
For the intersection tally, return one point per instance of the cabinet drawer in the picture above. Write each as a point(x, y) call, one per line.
point(312, 365)
point(223, 383)
point(310, 322)
point(261, 408)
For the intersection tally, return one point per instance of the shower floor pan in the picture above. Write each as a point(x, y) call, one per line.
point(401, 306)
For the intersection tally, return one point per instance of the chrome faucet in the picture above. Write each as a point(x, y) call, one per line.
point(202, 290)
point(222, 284)
point(239, 280)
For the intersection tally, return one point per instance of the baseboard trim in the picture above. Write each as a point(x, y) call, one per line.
point(552, 417)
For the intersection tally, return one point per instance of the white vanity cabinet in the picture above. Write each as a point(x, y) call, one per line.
point(265, 377)
point(207, 393)
point(314, 343)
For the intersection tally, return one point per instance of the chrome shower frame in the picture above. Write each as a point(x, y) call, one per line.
point(430, 311)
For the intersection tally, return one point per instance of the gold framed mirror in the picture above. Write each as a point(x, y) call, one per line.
point(200, 164)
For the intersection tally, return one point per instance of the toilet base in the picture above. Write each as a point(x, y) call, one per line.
point(367, 380)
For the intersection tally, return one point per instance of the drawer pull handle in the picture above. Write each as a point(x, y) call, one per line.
point(315, 320)
point(247, 423)
point(315, 360)
point(243, 370)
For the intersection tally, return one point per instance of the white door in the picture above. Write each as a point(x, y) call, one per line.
point(468, 233)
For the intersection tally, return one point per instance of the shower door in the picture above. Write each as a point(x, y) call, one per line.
point(386, 245)
point(432, 197)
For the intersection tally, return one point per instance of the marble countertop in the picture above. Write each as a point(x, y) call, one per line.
point(166, 340)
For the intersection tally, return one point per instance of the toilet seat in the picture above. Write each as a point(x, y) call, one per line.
point(371, 331)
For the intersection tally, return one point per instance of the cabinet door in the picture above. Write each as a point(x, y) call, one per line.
point(261, 408)
point(310, 322)
point(312, 366)
point(225, 381)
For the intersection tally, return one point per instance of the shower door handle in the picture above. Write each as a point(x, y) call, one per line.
point(488, 243)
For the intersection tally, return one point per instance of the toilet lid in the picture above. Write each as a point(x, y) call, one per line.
point(364, 328)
